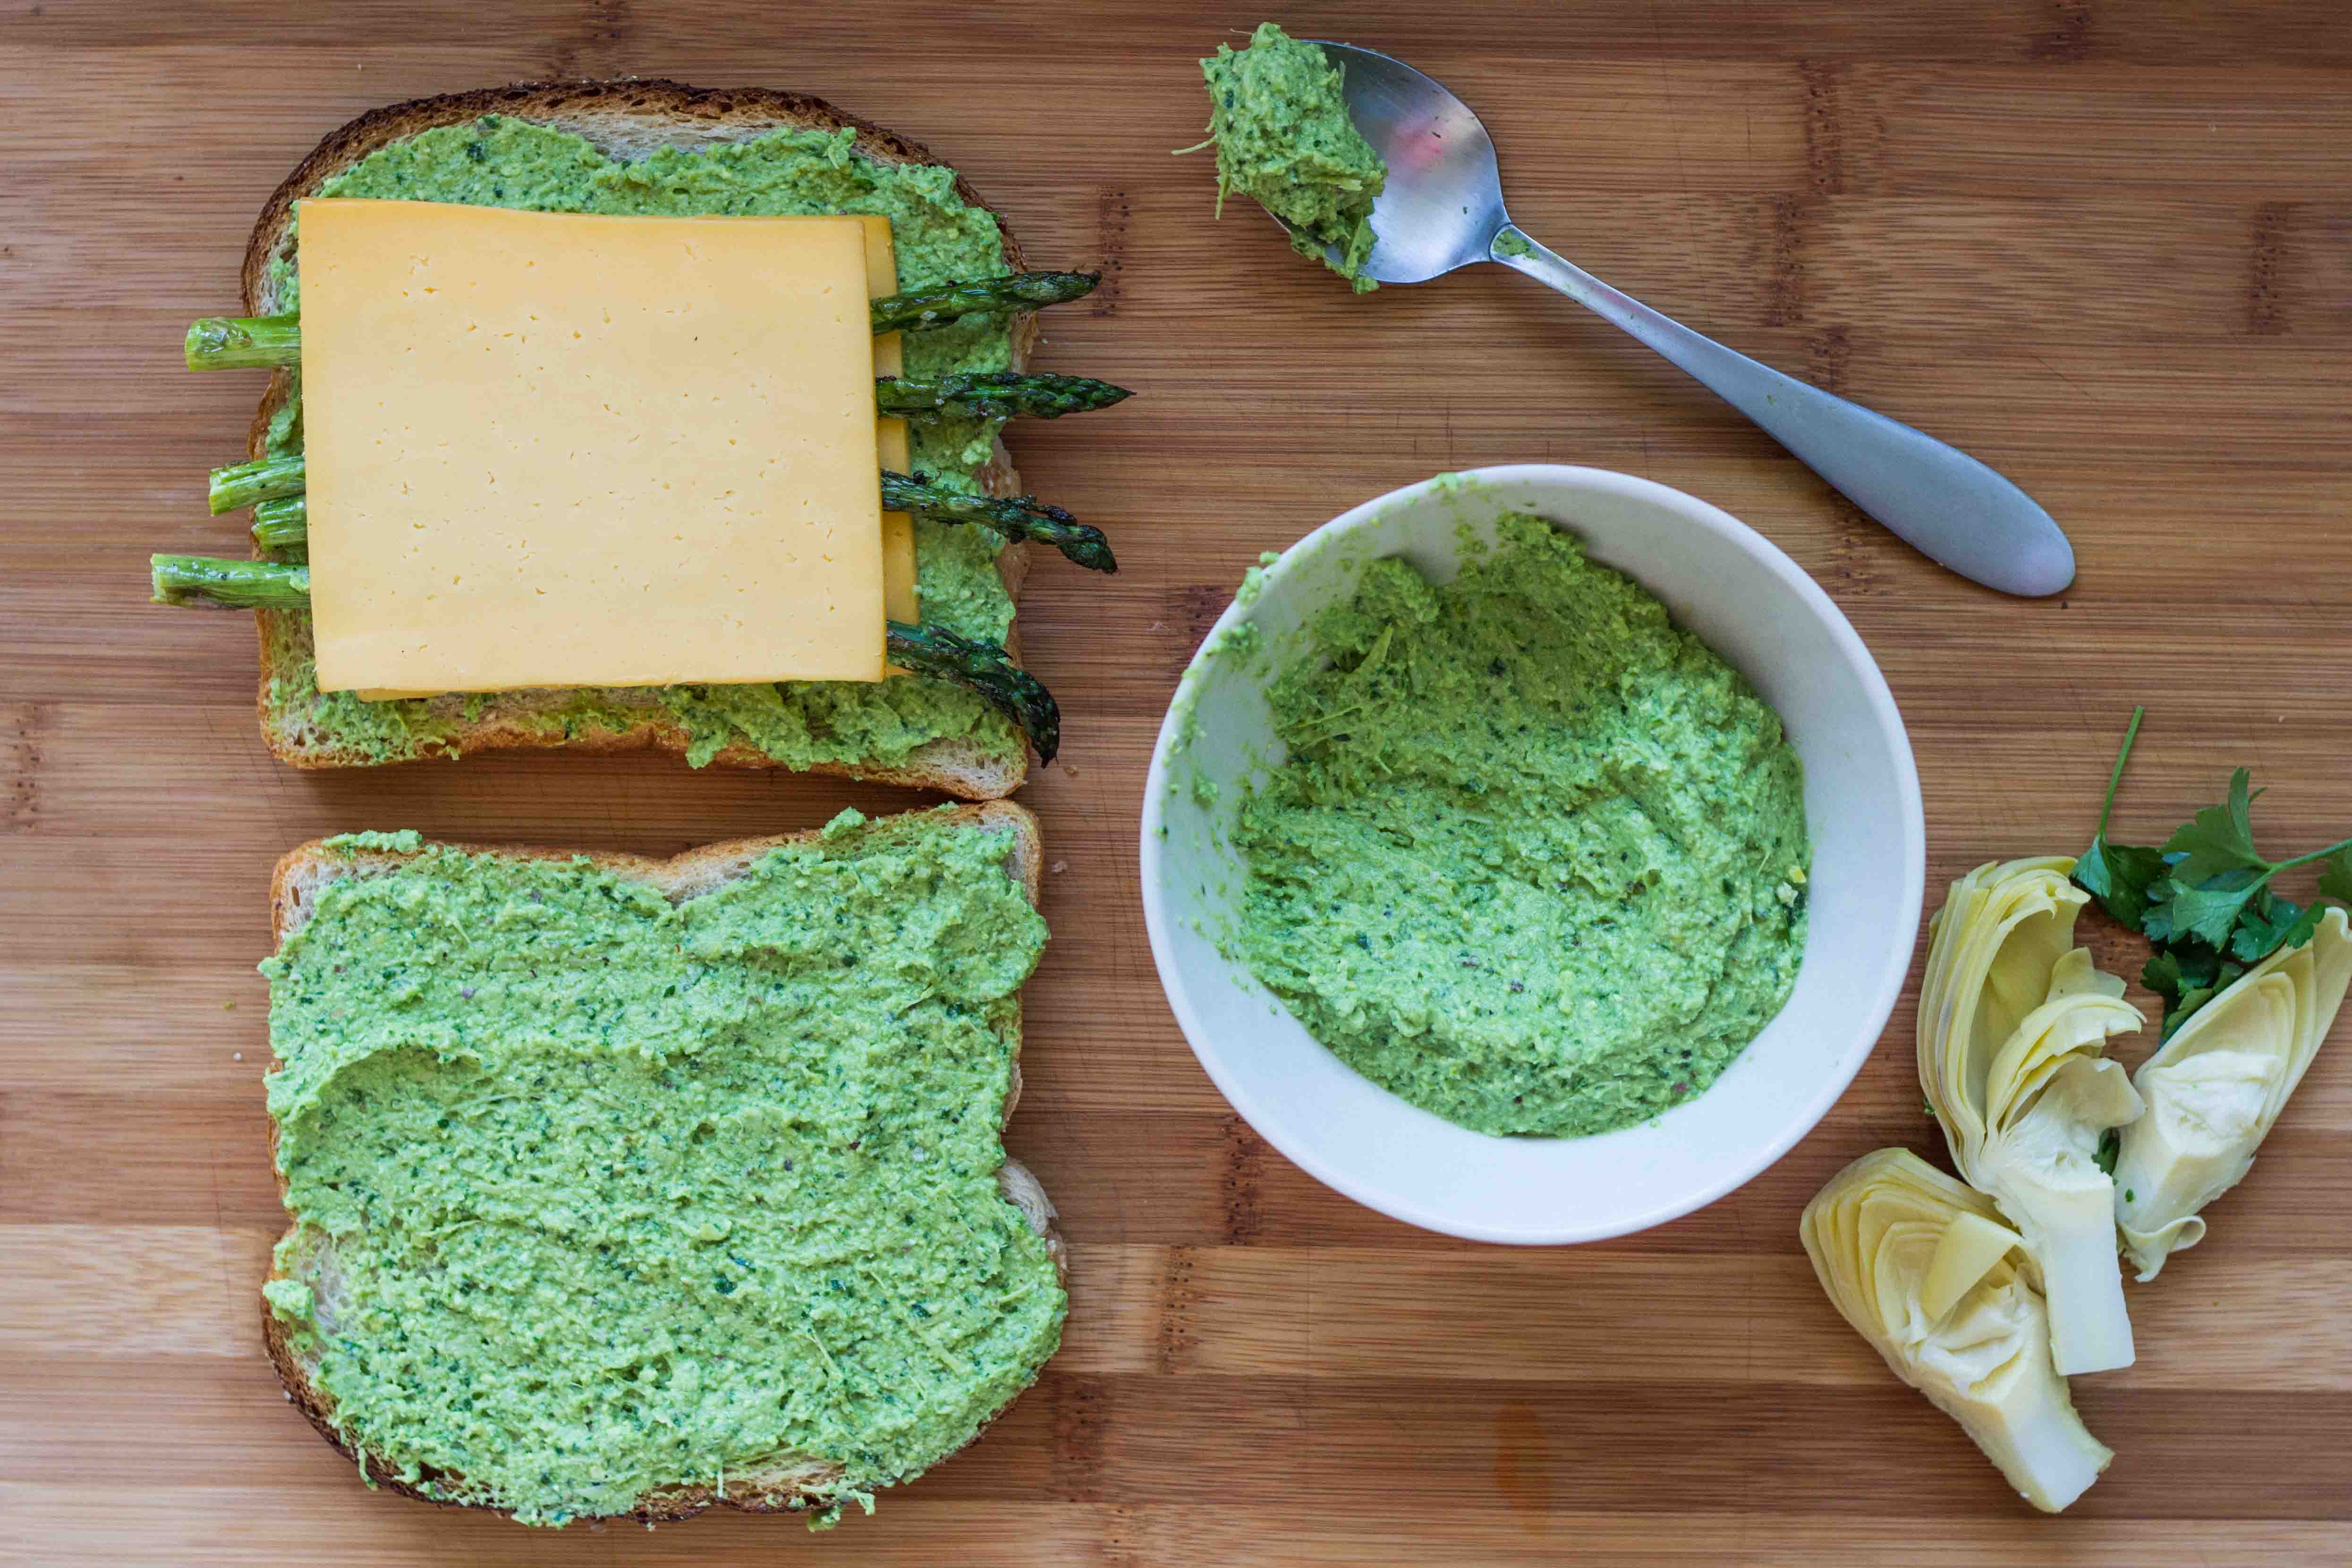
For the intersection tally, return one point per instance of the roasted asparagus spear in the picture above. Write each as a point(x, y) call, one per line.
point(243, 343)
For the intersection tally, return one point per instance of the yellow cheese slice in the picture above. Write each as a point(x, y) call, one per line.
point(560, 450)
point(891, 435)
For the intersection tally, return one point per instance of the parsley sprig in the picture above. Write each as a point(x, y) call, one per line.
point(2203, 897)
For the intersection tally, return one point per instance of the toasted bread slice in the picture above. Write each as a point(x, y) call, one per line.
point(794, 1483)
point(625, 119)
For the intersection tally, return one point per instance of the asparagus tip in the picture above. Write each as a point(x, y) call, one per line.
point(1088, 548)
point(983, 667)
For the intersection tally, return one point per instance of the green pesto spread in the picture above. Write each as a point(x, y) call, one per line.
point(623, 1194)
point(499, 161)
point(1283, 138)
point(1536, 859)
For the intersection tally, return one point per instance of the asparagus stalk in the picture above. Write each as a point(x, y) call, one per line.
point(923, 309)
point(266, 479)
point(284, 522)
point(994, 394)
point(1021, 517)
point(246, 343)
point(998, 394)
point(237, 585)
point(983, 667)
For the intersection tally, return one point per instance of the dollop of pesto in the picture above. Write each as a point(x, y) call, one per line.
point(499, 161)
point(1536, 859)
point(1283, 138)
point(595, 1194)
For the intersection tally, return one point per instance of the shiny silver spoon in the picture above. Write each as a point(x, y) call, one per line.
point(1443, 209)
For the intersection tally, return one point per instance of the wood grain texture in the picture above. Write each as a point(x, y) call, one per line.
point(2107, 247)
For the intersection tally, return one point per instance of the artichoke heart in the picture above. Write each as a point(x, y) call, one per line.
point(2013, 1018)
point(1890, 1238)
point(2214, 1090)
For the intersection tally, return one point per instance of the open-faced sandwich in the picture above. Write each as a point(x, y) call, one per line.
point(625, 1187)
point(627, 413)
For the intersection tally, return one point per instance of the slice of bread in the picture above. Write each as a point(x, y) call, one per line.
point(625, 119)
point(792, 1483)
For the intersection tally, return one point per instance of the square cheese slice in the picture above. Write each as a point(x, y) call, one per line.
point(563, 450)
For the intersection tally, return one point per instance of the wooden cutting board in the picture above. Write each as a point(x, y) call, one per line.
point(2107, 248)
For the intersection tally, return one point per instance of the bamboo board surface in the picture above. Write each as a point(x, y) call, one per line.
point(2107, 248)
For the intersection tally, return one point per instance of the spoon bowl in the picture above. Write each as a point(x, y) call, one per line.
point(1443, 204)
point(1442, 209)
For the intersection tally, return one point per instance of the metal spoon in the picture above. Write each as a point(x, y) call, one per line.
point(1443, 209)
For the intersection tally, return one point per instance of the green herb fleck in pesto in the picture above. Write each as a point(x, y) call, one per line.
point(1511, 242)
point(1534, 860)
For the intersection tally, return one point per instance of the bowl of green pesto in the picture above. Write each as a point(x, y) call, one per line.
point(1532, 854)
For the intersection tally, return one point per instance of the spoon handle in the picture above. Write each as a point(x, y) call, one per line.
point(1943, 502)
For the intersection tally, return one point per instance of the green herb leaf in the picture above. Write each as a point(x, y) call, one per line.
point(2186, 975)
point(2210, 909)
point(2111, 1143)
point(2202, 975)
point(2121, 877)
point(2220, 838)
point(2282, 922)
point(2196, 997)
point(2336, 875)
point(2203, 900)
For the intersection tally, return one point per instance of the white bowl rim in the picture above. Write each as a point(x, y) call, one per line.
point(1159, 923)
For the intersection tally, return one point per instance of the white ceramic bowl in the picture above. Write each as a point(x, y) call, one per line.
point(1752, 604)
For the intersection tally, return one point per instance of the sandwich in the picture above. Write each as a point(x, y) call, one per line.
point(622, 1188)
point(760, 580)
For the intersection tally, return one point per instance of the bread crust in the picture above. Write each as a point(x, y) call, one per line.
point(625, 118)
point(306, 871)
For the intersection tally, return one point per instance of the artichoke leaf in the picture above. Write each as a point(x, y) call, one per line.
point(2216, 1088)
point(1965, 1252)
point(1921, 1267)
